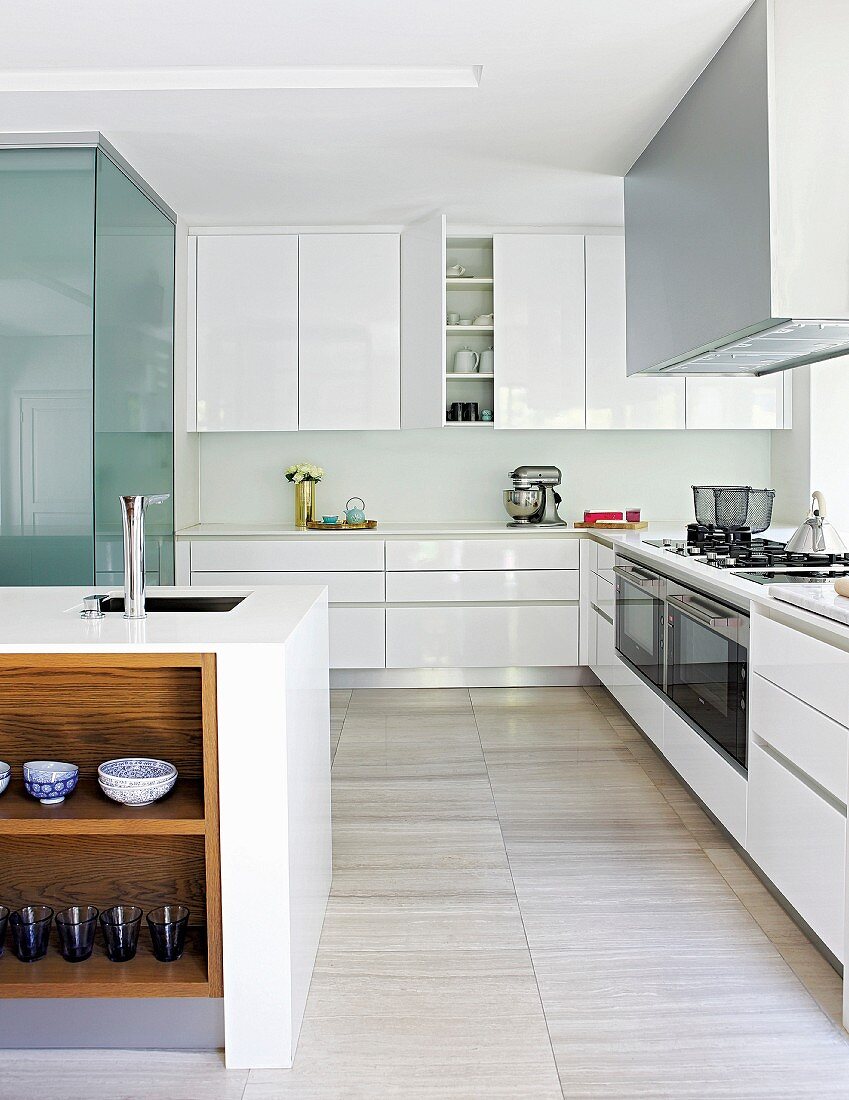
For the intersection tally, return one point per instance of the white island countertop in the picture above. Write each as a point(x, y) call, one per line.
point(47, 620)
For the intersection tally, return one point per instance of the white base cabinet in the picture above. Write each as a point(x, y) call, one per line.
point(502, 603)
point(719, 785)
point(798, 839)
point(481, 637)
point(357, 637)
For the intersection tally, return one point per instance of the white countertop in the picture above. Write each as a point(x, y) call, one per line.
point(47, 620)
point(424, 529)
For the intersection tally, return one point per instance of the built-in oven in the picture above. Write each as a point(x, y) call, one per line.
point(640, 619)
point(707, 645)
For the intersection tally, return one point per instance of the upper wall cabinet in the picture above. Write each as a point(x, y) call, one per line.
point(246, 332)
point(613, 399)
point(538, 300)
point(739, 402)
point(349, 341)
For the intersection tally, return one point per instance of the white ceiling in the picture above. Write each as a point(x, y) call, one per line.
point(571, 92)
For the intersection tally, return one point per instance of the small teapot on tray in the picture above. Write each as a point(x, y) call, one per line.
point(355, 515)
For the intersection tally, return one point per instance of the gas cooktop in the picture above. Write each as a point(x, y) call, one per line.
point(763, 561)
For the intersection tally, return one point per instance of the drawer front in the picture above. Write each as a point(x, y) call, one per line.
point(602, 594)
point(341, 587)
point(485, 586)
point(344, 553)
point(481, 637)
point(605, 558)
point(608, 667)
point(799, 841)
point(814, 671)
point(721, 787)
point(357, 637)
point(640, 703)
point(817, 745)
point(529, 551)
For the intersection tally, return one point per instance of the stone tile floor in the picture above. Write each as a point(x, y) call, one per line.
point(528, 904)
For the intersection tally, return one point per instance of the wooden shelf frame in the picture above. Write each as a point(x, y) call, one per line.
point(89, 849)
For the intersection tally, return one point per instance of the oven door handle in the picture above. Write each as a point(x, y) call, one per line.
point(703, 613)
point(639, 579)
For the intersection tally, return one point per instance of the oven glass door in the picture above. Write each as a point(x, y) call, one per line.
point(640, 617)
point(706, 675)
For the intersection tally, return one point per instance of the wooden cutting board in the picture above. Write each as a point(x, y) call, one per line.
point(612, 525)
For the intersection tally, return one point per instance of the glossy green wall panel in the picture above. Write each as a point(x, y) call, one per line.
point(133, 369)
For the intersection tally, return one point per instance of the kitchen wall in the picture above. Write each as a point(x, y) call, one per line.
point(458, 473)
point(815, 454)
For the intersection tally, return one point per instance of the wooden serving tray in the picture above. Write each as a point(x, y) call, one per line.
point(369, 525)
point(612, 525)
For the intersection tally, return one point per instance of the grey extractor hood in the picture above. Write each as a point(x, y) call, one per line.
point(737, 212)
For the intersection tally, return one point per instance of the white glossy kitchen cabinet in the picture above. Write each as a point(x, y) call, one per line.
point(357, 637)
point(245, 332)
point(423, 310)
point(483, 586)
point(810, 669)
point(481, 637)
point(798, 839)
point(717, 783)
point(530, 551)
point(615, 401)
point(777, 717)
point(739, 402)
point(349, 331)
point(538, 301)
point(322, 552)
point(341, 587)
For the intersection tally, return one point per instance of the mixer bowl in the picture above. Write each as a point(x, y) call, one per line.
point(524, 504)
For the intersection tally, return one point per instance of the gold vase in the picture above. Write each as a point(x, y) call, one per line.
point(304, 503)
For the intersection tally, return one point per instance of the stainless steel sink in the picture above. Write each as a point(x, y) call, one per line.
point(178, 604)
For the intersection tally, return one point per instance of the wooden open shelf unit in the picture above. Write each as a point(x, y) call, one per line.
point(89, 850)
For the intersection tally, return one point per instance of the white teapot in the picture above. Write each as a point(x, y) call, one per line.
point(466, 361)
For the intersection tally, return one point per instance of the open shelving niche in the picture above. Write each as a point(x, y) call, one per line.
point(87, 708)
point(470, 297)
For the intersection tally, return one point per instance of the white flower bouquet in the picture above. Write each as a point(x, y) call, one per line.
point(304, 471)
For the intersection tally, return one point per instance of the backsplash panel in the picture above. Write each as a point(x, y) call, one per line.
point(457, 474)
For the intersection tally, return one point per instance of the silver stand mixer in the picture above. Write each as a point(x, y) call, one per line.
point(534, 501)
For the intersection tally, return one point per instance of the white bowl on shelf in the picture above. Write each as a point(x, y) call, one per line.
point(5, 775)
point(136, 780)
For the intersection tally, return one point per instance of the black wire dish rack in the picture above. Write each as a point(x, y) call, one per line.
point(734, 506)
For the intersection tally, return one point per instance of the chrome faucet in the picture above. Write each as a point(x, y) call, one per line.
point(132, 513)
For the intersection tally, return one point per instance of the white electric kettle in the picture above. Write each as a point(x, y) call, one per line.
point(466, 361)
point(816, 535)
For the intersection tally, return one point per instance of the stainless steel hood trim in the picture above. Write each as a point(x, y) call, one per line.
point(750, 347)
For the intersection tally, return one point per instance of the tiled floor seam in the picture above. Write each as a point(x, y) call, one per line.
point(519, 906)
point(719, 871)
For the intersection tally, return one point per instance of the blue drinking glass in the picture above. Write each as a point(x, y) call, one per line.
point(31, 931)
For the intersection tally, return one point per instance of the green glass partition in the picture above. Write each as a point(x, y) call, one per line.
point(46, 390)
point(86, 368)
point(133, 371)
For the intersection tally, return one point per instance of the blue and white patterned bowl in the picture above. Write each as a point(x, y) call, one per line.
point(136, 780)
point(50, 780)
point(5, 775)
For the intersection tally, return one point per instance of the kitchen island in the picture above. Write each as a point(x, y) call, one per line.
point(239, 702)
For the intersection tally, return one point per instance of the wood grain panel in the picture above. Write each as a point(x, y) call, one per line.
point(212, 845)
point(88, 810)
point(88, 713)
point(101, 871)
point(143, 976)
